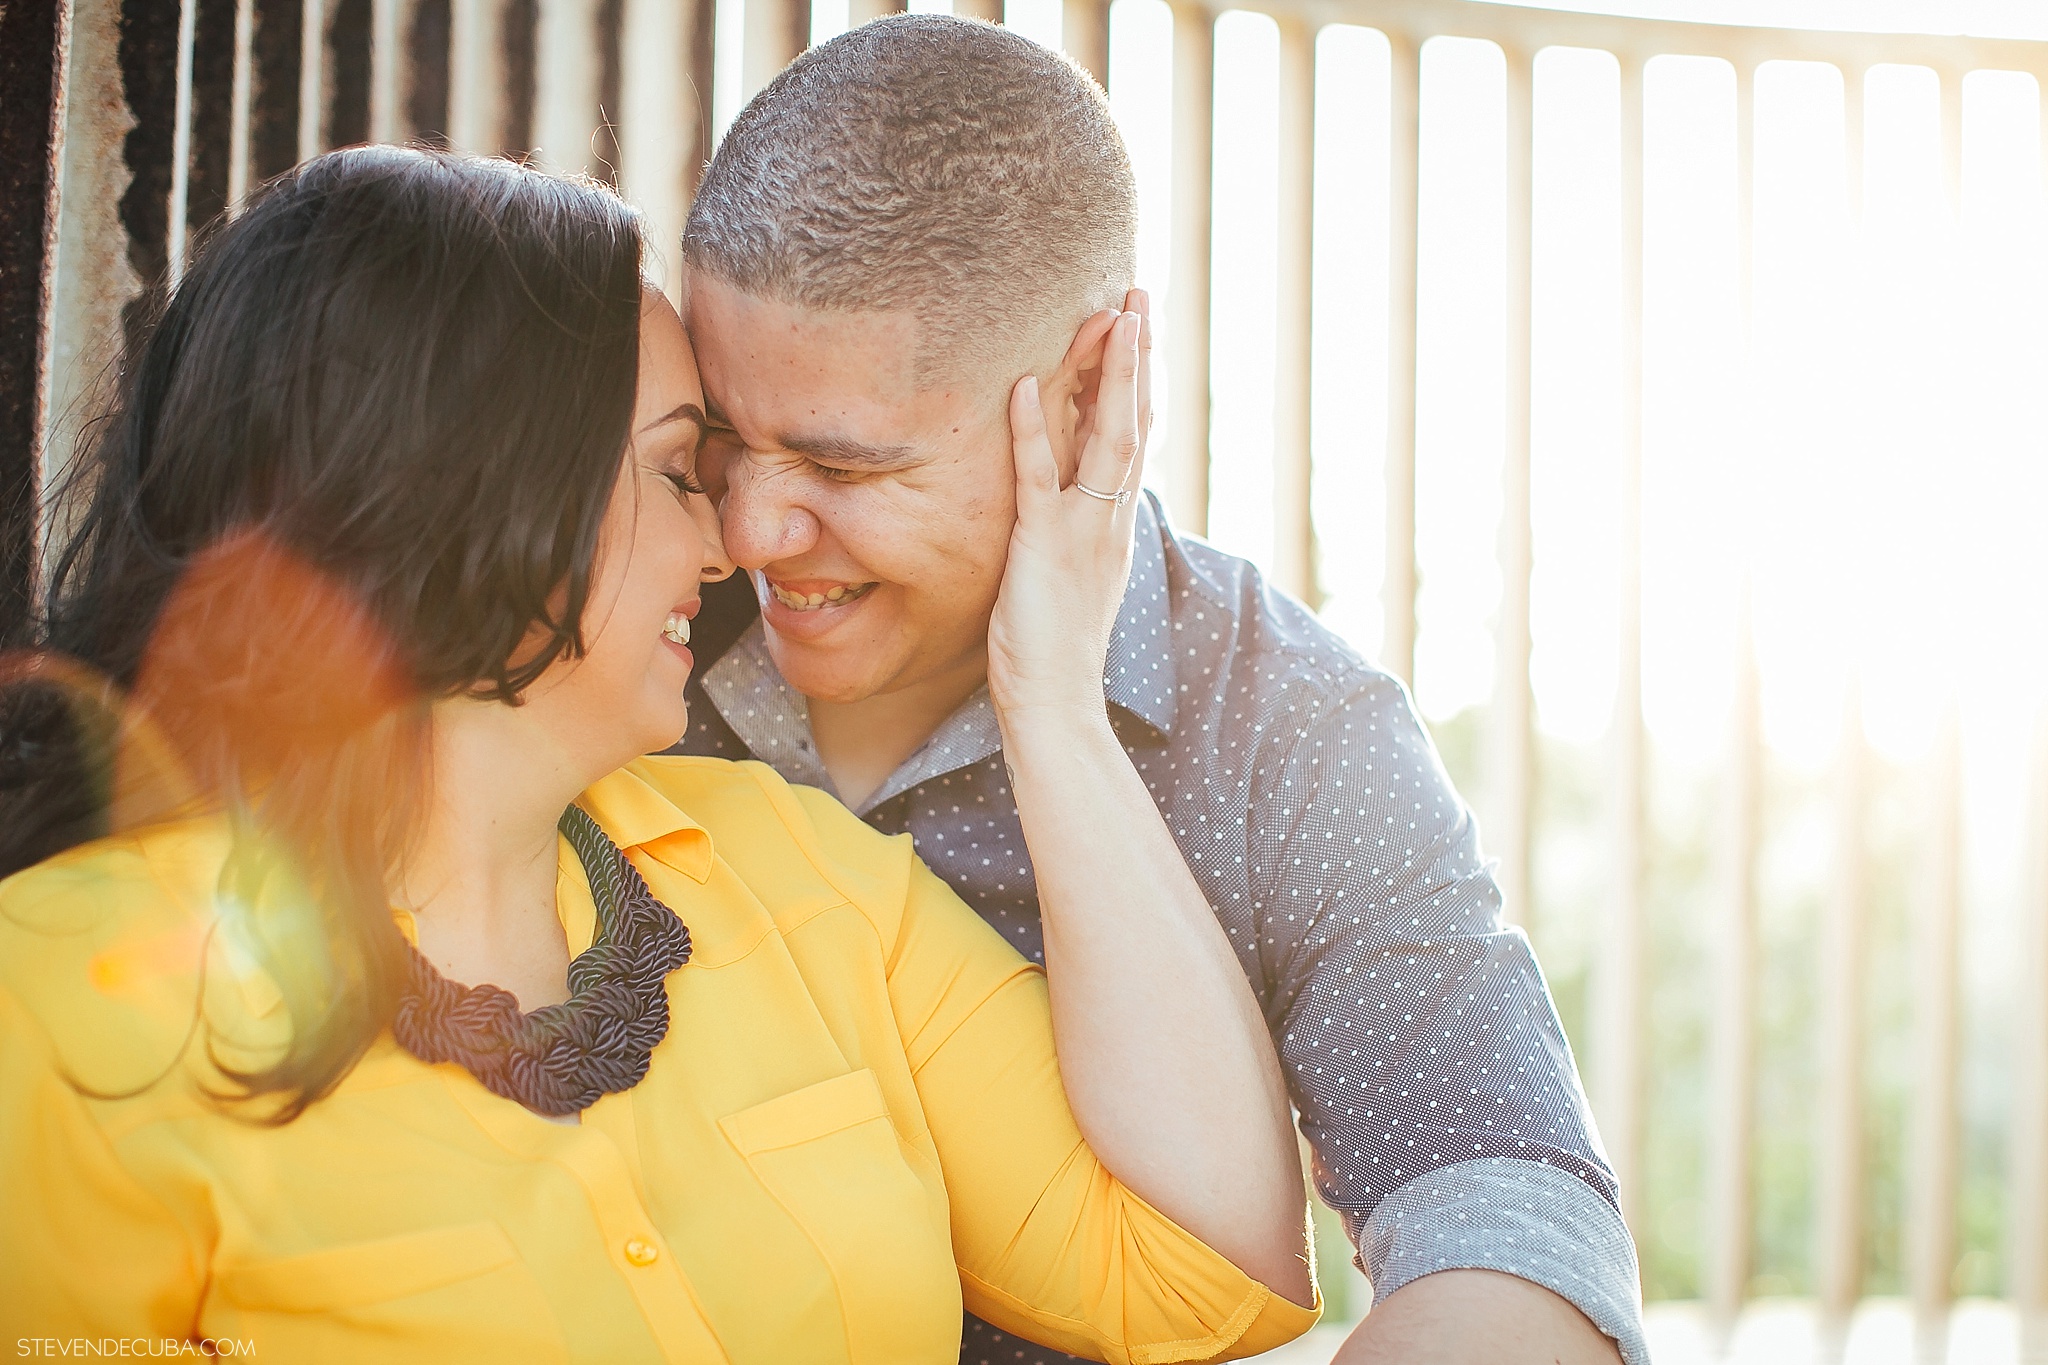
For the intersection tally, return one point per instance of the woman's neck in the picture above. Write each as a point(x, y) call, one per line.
point(481, 878)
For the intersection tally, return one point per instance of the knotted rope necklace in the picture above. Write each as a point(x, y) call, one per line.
point(560, 1058)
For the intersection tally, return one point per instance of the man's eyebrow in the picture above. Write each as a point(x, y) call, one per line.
point(683, 412)
point(845, 451)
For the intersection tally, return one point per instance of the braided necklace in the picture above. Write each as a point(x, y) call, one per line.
point(561, 1058)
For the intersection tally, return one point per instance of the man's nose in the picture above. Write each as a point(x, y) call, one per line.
point(760, 519)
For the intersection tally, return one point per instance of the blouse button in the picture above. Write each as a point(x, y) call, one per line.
point(640, 1251)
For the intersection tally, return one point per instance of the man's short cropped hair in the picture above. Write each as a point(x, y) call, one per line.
point(938, 166)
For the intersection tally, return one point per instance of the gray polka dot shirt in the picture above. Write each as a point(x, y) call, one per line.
point(1434, 1082)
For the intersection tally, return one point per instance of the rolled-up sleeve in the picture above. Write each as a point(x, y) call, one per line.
point(1435, 1083)
point(1048, 1242)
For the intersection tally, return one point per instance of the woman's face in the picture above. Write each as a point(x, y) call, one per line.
point(624, 696)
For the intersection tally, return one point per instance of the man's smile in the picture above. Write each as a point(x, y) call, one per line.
point(815, 594)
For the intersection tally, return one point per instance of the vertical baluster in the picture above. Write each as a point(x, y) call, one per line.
point(1294, 535)
point(1511, 761)
point(660, 133)
point(1838, 1137)
point(2027, 1244)
point(1731, 1104)
point(1731, 1061)
point(860, 11)
point(388, 19)
point(776, 30)
point(33, 121)
point(1187, 342)
point(1931, 1143)
point(1839, 1156)
point(568, 70)
point(991, 10)
point(92, 280)
point(1084, 33)
point(1952, 139)
point(312, 77)
point(1933, 1159)
point(1855, 85)
point(1618, 1093)
point(242, 103)
point(175, 225)
point(477, 76)
point(1404, 159)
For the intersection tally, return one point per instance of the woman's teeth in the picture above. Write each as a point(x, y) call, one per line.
point(677, 628)
point(818, 601)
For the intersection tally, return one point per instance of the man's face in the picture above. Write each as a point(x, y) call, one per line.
point(874, 516)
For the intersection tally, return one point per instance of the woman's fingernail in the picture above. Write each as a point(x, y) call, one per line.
point(1031, 390)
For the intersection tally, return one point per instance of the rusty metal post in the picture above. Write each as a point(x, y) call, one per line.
point(33, 36)
point(93, 277)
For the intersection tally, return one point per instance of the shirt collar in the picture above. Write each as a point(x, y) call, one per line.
point(635, 815)
point(771, 718)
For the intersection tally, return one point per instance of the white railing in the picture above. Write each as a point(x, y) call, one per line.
point(625, 88)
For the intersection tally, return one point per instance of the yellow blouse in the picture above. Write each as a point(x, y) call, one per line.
point(854, 1124)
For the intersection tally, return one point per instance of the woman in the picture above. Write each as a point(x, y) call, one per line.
point(397, 1011)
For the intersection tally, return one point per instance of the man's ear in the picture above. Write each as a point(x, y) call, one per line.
point(1068, 394)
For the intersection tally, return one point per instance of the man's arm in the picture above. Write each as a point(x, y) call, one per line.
point(1456, 1317)
point(1435, 1083)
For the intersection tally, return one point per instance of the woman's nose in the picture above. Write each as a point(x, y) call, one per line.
point(759, 521)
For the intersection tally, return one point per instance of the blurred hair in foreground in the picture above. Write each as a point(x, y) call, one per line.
point(359, 464)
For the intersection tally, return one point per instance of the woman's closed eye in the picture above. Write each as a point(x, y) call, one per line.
point(684, 481)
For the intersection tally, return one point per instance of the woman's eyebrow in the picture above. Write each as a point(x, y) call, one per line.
point(683, 411)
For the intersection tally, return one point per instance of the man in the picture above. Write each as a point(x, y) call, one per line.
point(906, 221)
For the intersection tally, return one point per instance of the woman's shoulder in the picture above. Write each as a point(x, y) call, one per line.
point(106, 888)
point(757, 821)
point(104, 947)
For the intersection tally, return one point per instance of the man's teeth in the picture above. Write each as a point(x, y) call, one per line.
point(677, 628)
point(797, 601)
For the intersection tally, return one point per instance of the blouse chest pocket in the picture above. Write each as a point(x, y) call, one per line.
point(445, 1295)
point(829, 1156)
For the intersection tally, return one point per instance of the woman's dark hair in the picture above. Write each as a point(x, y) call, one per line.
point(360, 463)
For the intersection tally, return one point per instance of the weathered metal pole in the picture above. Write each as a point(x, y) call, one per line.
point(33, 40)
